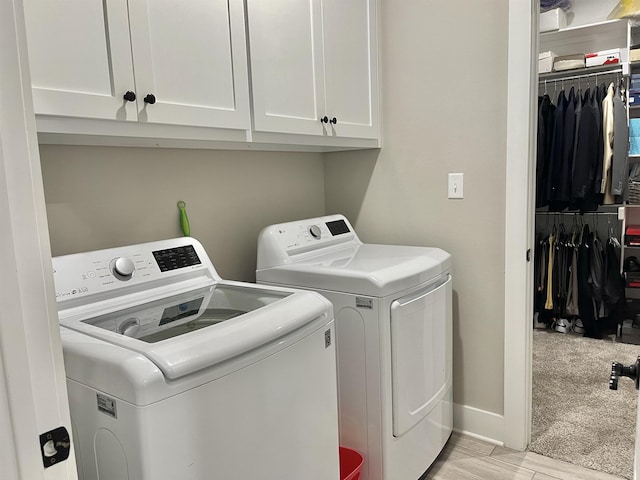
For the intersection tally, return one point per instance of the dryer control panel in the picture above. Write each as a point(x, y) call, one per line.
point(278, 242)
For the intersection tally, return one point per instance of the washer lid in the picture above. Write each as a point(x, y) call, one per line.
point(184, 333)
point(366, 269)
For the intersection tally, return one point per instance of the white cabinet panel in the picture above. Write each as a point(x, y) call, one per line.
point(85, 55)
point(311, 60)
point(80, 57)
point(350, 66)
point(90, 71)
point(286, 66)
point(192, 57)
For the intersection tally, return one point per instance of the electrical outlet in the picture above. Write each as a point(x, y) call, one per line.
point(456, 185)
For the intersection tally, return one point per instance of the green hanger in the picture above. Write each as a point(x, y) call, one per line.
point(184, 220)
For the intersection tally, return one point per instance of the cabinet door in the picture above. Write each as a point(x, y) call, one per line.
point(350, 63)
point(80, 58)
point(285, 43)
point(191, 56)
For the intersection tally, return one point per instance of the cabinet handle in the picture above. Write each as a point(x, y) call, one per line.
point(150, 99)
point(129, 96)
point(334, 120)
point(324, 119)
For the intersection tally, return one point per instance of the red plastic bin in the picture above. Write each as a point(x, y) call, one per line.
point(350, 464)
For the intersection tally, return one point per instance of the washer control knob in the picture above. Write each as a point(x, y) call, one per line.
point(123, 267)
point(315, 232)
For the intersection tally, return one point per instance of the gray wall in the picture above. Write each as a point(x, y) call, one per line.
point(100, 197)
point(444, 71)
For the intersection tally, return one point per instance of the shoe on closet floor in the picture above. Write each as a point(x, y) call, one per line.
point(578, 327)
point(562, 325)
point(536, 324)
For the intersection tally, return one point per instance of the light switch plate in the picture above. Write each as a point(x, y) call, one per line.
point(456, 185)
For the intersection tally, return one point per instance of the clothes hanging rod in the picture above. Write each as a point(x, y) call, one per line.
point(577, 213)
point(555, 76)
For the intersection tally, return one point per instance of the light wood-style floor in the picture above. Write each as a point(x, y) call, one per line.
point(465, 458)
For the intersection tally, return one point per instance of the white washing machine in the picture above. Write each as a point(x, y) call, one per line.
point(174, 373)
point(393, 308)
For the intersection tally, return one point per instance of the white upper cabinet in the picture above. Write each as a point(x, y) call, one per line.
point(286, 65)
point(190, 58)
point(351, 66)
point(314, 67)
point(80, 58)
point(185, 62)
point(170, 73)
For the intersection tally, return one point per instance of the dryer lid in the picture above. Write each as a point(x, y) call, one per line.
point(365, 269)
point(184, 333)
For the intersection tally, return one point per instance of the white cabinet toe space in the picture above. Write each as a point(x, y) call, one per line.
point(314, 67)
point(160, 61)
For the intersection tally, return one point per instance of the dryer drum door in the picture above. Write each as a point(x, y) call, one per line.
point(421, 341)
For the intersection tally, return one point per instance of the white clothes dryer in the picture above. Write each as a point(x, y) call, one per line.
point(393, 313)
point(174, 373)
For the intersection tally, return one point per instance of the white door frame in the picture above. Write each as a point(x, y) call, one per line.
point(33, 395)
point(519, 220)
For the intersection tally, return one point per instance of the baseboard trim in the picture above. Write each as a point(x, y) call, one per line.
point(480, 424)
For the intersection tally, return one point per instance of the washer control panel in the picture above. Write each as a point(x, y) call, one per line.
point(82, 274)
point(177, 257)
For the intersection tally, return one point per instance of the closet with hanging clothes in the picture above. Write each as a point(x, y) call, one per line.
point(581, 302)
point(578, 286)
point(581, 175)
point(583, 142)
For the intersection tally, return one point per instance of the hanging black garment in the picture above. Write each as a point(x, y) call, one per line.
point(542, 261)
point(561, 272)
point(614, 283)
point(557, 276)
point(540, 158)
point(545, 132)
point(586, 155)
point(620, 166)
point(598, 96)
point(597, 277)
point(554, 178)
point(614, 286)
point(585, 295)
point(572, 293)
point(574, 202)
point(537, 274)
point(564, 191)
point(578, 116)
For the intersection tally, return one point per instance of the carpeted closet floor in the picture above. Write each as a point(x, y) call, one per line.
point(576, 417)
